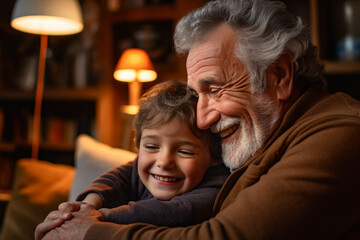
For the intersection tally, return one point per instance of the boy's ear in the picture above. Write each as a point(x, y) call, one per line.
point(284, 72)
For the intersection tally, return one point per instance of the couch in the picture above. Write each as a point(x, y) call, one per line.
point(39, 186)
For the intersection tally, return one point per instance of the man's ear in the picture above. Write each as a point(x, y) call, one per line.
point(284, 80)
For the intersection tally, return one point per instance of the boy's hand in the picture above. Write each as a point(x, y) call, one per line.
point(104, 212)
point(69, 206)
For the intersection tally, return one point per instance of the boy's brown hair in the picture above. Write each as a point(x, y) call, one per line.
point(167, 101)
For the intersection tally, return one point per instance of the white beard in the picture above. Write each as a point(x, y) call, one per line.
point(252, 138)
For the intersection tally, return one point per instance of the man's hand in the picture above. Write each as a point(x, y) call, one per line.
point(56, 218)
point(52, 220)
point(71, 228)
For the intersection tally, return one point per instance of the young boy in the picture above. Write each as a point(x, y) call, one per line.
point(178, 172)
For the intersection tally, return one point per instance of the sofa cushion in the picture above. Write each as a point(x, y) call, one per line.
point(92, 159)
point(38, 188)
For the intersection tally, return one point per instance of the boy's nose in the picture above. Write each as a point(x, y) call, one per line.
point(165, 161)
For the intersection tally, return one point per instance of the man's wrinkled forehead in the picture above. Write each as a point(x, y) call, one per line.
point(222, 37)
point(209, 55)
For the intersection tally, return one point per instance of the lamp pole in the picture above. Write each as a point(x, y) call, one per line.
point(39, 96)
point(134, 92)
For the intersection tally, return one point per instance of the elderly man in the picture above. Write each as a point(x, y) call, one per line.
point(293, 148)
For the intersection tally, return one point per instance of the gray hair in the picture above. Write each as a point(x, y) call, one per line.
point(265, 31)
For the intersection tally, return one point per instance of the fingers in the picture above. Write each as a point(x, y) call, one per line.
point(54, 215)
point(105, 212)
point(75, 228)
point(88, 210)
point(69, 206)
point(53, 220)
point(86, 206)
point(46, 226)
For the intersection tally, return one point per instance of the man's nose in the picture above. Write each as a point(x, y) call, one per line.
point(206, 114)
point(165, 160)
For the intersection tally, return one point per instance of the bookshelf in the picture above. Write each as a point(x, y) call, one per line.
point(327, 28)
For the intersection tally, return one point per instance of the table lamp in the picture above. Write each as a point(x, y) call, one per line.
point(134, 67)
point(45, 17)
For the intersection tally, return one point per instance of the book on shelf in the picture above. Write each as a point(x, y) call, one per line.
point(54, 130)
point(19, 128)
point(1, 123)
point(60, 130)
point(6, 173)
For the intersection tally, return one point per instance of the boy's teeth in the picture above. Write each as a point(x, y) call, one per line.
point(165, 179)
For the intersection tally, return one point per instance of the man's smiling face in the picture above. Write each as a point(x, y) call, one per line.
point(226, 103)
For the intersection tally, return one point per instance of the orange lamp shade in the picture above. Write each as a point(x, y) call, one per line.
point(135, 64)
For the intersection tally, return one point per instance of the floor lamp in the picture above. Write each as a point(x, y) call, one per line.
point(45, 17)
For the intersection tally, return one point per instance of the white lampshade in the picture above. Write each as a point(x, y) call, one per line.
point(47, 17)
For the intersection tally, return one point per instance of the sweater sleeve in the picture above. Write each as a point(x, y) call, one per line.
point(184, 210)
point(116, 187)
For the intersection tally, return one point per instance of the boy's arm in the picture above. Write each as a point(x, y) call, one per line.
point(114, 187)
point(187, 209)
point(94, 199)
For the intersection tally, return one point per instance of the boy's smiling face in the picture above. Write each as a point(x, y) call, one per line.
point(172, 160)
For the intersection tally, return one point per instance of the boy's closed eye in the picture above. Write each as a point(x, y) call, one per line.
point(151, 147)
point(186, 153)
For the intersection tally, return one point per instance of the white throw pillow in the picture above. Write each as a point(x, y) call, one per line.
point(92, 159)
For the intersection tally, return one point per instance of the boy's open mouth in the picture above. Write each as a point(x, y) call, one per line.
point(165, 179)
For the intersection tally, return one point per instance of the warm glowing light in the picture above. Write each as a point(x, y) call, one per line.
point(135, 64)
point(47, 17)
point(125, 75)
point(134, 67)
point(146, 75)
point(130, 109)
point(48, 25)
point(129, 75)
